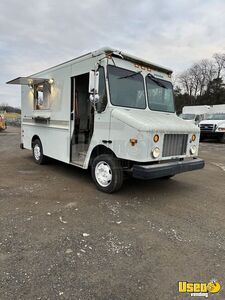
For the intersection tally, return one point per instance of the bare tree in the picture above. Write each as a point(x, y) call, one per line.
point(207, 74)
point(194, 81)
point(195, 73)
point(219, 59)
point(202, 83)
point(185, 82)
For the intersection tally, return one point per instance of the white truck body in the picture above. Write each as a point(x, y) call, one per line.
point(204, 109)
point(195, 113)
point(76, 132)
point(196, 109)
point(218, 108)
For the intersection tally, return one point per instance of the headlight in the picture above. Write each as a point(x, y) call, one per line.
point(221, 128)
point(155, 152)
point(193, 150)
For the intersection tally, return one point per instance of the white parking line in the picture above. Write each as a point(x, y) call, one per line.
point(219, 165)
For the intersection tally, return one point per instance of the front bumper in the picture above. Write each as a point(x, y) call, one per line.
point(211, 135)
point(166, 169)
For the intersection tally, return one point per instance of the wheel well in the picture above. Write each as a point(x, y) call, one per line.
point(35, 137)
point(100, 149)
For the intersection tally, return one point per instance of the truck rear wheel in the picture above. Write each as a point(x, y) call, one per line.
point(107, 173)
point(38, 155)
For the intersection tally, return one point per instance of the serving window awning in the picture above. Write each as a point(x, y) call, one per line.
point(27, 80)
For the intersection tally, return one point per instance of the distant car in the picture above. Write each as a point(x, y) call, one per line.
point(213, 127)
point(2, 123)
point(193, 118)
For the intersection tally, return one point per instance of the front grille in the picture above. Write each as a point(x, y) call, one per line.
point(174, 144)
point(207, 127)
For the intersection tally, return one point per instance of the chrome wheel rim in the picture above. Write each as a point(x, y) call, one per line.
point(37, 152)
point(103, 174)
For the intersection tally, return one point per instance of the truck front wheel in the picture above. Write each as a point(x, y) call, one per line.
point(107, 173)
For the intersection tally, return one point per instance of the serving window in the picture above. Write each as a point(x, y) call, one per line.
point(41, 96)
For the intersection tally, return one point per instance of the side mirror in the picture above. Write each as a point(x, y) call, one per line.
point(93, 82)
point(94, 98)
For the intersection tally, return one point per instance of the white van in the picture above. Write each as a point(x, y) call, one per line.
point(110, 111)
point(192, 118)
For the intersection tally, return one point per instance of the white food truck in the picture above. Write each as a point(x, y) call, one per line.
point(109, 111)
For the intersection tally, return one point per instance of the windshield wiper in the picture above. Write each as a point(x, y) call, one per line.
point(131, 75)
point(153, 78)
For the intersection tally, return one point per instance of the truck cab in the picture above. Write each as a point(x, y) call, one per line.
point(111, 112)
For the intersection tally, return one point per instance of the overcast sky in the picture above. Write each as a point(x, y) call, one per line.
point(39, 34)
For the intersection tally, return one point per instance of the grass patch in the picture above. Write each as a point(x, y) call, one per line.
point(12, 116)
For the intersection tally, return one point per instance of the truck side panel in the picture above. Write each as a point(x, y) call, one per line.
point(55, 133)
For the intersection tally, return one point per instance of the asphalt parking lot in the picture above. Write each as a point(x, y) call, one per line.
point(60, 238)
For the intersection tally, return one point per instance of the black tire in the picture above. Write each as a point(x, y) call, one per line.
point(222, 139)
point(40, 158)
point(111, 168)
